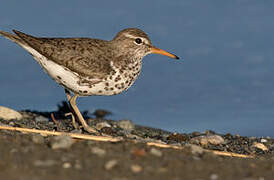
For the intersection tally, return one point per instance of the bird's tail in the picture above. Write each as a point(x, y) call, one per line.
point(13, 37)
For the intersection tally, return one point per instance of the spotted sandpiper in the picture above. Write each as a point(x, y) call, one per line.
point(88, 66)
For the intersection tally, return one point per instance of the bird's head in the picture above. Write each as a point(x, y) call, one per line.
point(135, 42)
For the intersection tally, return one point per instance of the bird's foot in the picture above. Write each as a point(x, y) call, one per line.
point(91, 129)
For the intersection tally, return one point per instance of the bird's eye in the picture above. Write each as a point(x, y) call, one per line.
point(138, 40)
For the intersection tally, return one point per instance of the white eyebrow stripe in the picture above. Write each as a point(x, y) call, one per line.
point(134, 37)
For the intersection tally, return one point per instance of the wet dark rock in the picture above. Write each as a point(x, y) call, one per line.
point(178, 137)
point(108, 130)
point(194, 134)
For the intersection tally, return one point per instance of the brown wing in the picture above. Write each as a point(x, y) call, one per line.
point(13, 37)
point(85, 56)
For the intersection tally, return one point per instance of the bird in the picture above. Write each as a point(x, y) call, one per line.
point(89, 66)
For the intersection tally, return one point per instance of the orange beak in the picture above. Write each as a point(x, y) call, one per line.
point(160, 51)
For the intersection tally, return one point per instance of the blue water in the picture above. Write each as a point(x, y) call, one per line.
point(224, 83)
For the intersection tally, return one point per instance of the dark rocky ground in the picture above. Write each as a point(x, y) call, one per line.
point(33, 156)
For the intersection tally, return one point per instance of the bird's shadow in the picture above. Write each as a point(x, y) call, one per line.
point(63, 108)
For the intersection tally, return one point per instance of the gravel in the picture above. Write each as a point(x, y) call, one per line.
point(32, 156)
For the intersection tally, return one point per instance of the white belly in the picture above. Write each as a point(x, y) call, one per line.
point(111, 85)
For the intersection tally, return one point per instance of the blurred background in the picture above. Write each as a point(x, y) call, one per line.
point(224, 82)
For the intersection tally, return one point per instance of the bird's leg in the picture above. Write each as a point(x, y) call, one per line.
point(80, 117)
point(68, 94)
point(74, 123)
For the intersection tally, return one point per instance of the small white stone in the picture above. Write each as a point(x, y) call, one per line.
point(213, 177)
point(101, 125)
point(263, 140)
point(210, 139)
point(156, 152)
point(136, 168)
point(8, 114)
point(61, 142)
point(98, 151)
point(44, 163)
point(195, 149)
point(38, 139)
point(66, 165)
point(11, 123)
point(126, 125)
point(111, 164)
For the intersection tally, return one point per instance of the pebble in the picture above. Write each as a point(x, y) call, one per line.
point(132, 136)
point(41, 119)
point(8, 114)
point(11, 123)
point(195, 149)
point(156, 152)
point(175, 138)
point(213, 177)
point(138, 152)
point(195, 133)
point(111, 164)
point(210, 139)
point(13, 150)
point(44, 163)
point(38, 139)
point(98, 151)
point(66, 165)
point(263, 140)
point(76, 131)
point(260, 146)
point(61, 142)
point(126, 125)
point(101, 125)
point(136, 168)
